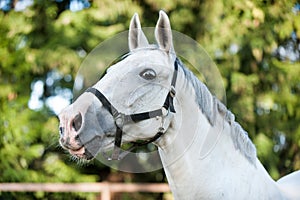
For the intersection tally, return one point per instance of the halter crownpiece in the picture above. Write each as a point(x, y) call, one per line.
point(121, 119)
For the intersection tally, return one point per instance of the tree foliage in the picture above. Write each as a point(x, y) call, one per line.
point(254, 43)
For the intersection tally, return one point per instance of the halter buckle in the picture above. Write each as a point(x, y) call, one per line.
point(172, 91)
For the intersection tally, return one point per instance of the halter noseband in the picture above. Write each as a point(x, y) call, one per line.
point(121, 118)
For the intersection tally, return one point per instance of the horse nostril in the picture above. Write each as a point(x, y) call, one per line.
point(77, 122)
point(77, 138)
point(61, 131)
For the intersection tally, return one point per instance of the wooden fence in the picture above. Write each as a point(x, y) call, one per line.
point(105, 188)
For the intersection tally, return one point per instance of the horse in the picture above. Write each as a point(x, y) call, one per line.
point(149, 96)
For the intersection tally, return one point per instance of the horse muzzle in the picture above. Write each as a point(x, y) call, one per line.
point(83, 128)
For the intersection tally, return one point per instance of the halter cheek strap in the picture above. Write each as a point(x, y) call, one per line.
point(121, 119)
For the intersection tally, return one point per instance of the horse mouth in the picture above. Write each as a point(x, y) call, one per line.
point(90, 149)
point(81, 153)
point(78, 153)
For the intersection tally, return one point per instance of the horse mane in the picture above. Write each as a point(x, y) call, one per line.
point(211, 107)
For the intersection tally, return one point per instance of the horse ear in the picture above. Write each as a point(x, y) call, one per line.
point(136, 37)
point(163, 33)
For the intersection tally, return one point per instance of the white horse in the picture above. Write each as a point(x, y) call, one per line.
point(151, 96)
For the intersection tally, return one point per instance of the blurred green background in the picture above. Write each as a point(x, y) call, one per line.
point(43, 42)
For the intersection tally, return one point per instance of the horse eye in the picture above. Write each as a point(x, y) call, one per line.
point(148, 74)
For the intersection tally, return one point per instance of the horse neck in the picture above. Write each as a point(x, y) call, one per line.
point(200, 157)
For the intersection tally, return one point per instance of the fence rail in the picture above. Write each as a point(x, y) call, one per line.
point(105, 188)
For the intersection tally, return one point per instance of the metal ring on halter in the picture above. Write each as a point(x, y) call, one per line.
point(119, 120)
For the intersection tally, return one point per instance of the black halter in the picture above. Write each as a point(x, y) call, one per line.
point(121, 118)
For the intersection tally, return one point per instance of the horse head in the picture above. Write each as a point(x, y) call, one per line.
point(132, 102)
